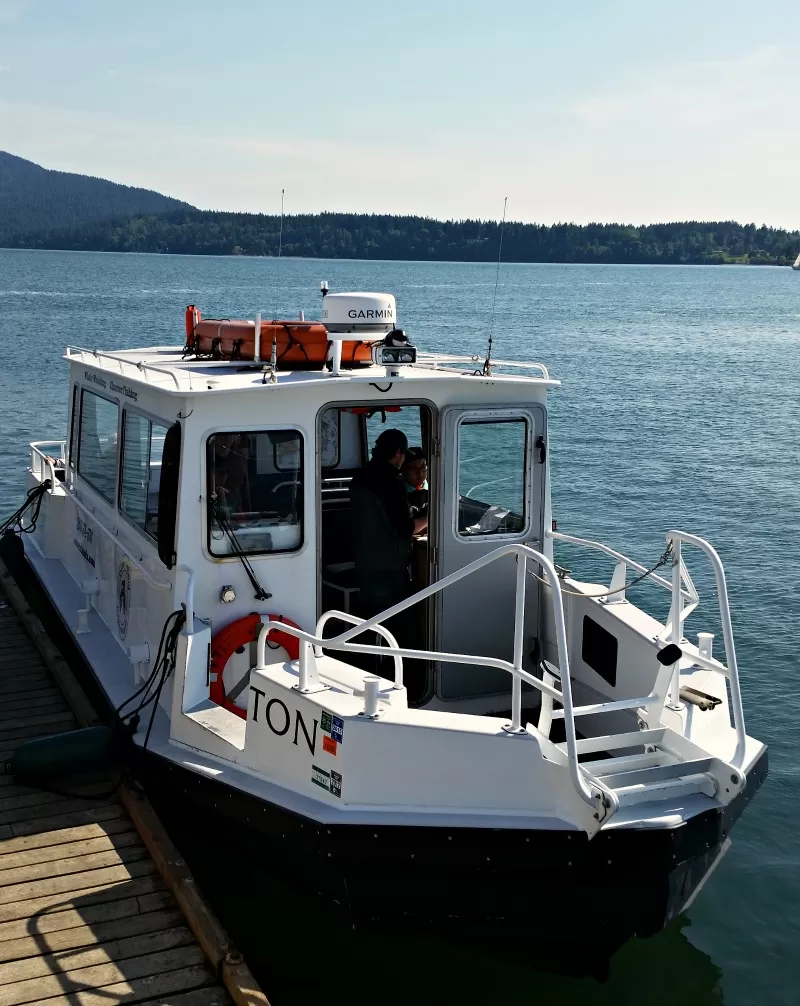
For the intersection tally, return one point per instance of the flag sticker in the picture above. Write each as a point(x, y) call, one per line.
point(333, 725)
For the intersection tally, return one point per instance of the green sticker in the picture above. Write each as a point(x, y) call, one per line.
point(320, 777)
point(326, 722)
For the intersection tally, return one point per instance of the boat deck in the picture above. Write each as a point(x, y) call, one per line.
point(85, 915)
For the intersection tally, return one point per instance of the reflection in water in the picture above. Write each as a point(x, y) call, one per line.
point(303, 955)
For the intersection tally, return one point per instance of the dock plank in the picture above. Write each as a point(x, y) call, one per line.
point(99, 975)
point(74, 959)
point(74, 864)
point(78, 936)
point(88, 896)
point(140, 990)
point(86, 847)
point(124, 906)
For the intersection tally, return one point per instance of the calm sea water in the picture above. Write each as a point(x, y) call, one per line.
point(678, 408)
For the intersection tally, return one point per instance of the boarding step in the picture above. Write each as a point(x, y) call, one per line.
point(644, 765)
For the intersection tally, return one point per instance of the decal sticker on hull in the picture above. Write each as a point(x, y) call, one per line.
point(333, 725)
point(123, 598)
point(331, 781)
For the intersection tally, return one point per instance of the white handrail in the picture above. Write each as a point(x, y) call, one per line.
point(603, 800)
point(435, 361)
point(598, 546)
point(189, 597)
point(732, 670)
point(138, 365)
point(345, 616)
point(45, 460)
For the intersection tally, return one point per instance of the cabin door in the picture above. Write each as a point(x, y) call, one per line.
point(492, 494)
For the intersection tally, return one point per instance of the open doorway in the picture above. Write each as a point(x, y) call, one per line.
point(347, 437)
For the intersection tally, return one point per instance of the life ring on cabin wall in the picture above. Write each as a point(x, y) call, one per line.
point(241, 633)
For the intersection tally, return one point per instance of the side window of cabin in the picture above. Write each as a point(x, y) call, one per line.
point(97, 443)
point(492, 465)
point(255, 492)
point(142, 447)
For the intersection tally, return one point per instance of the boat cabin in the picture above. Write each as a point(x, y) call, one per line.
point(232, 463)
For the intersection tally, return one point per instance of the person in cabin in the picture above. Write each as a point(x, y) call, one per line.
point(383, 526)
point(415, 473)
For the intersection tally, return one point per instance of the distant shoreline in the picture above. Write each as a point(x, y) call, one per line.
point(413, 261)
point(373, 237)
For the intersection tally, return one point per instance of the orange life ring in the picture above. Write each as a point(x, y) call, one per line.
point(240, 633)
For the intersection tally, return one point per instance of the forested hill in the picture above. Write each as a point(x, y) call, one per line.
point(35, 199)
point(362, 236)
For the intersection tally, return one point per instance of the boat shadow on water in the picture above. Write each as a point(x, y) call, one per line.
point(302, 951)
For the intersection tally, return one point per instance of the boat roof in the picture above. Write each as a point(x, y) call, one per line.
point(166, 368)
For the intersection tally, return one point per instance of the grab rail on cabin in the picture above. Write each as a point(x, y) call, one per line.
point(42, 459)
point(599, 797)
point(138, 370)
point(440, 361)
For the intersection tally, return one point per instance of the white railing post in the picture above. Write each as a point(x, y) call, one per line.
point(371, 691)
point(676, 623)
point(519, 644)
point(308, 675)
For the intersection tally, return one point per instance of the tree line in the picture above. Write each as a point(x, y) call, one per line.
point(380, 236)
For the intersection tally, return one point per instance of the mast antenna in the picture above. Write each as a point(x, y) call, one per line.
point(280, 246)
point(487, 363)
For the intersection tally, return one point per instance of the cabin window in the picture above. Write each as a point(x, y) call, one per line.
point(408, 419)
point(255, 492)
point(492, 476)
point(142, 446)
point(97, 443)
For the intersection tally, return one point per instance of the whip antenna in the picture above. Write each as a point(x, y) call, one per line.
point(280, 250)
point(487, 363)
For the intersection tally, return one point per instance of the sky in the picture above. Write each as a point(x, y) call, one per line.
point(577, 111)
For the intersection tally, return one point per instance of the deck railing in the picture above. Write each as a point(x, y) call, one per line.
point(599, 797)
point(684, 600)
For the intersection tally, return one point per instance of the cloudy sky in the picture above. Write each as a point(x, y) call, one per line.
point(578, 111)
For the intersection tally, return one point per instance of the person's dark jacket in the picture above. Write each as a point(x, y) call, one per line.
point(382, 521)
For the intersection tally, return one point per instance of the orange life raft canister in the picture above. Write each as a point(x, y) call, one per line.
point(298, 344)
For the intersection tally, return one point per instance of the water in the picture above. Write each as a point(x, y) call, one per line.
point(678, 409)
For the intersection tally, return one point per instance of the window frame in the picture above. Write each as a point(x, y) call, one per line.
point(151, 419)
point(253, 430)
point(74, 423)
point(111, 500)
point(474, 417)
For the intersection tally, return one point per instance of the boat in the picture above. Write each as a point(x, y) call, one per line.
point(796, 263)
point(545, 757)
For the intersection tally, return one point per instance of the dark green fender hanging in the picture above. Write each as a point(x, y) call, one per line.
point(49, 758)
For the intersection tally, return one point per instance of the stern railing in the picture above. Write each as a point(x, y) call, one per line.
point(600, 798)
point(684, 600)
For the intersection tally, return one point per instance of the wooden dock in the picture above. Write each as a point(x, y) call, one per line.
point(96, 905)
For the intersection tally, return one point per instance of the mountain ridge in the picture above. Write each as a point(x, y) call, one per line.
point(35, 199)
